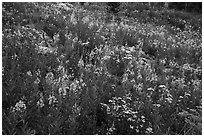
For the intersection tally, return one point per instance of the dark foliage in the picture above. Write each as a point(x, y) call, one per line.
point(187, 6)
point(113, 7)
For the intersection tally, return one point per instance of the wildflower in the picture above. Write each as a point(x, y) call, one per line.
point(52, 99)
point(81, 63)
point(40, 102)
point(20, 106)
point(37, 81)
point(63, 91)
point(49, 77)
point(149, 130)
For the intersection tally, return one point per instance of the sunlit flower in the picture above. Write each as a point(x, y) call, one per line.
point(149, 130)
point(52, 99)
point(20, 106)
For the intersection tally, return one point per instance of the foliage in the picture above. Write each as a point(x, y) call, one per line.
point(73, 68)
point(187, 6)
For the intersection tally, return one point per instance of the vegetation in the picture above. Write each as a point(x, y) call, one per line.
point(101, 68)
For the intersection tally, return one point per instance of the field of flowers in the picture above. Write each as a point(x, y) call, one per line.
point(95, 69)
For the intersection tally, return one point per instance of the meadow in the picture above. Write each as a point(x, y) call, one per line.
point(97, 68)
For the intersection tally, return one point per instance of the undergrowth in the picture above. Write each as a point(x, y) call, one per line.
point(71, 69)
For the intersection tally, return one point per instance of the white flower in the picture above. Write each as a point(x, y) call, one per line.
point(149, 130)
point(40, 103)
point(52, 99)
point(20, 106)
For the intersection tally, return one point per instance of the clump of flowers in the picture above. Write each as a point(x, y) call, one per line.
point(20, 106)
